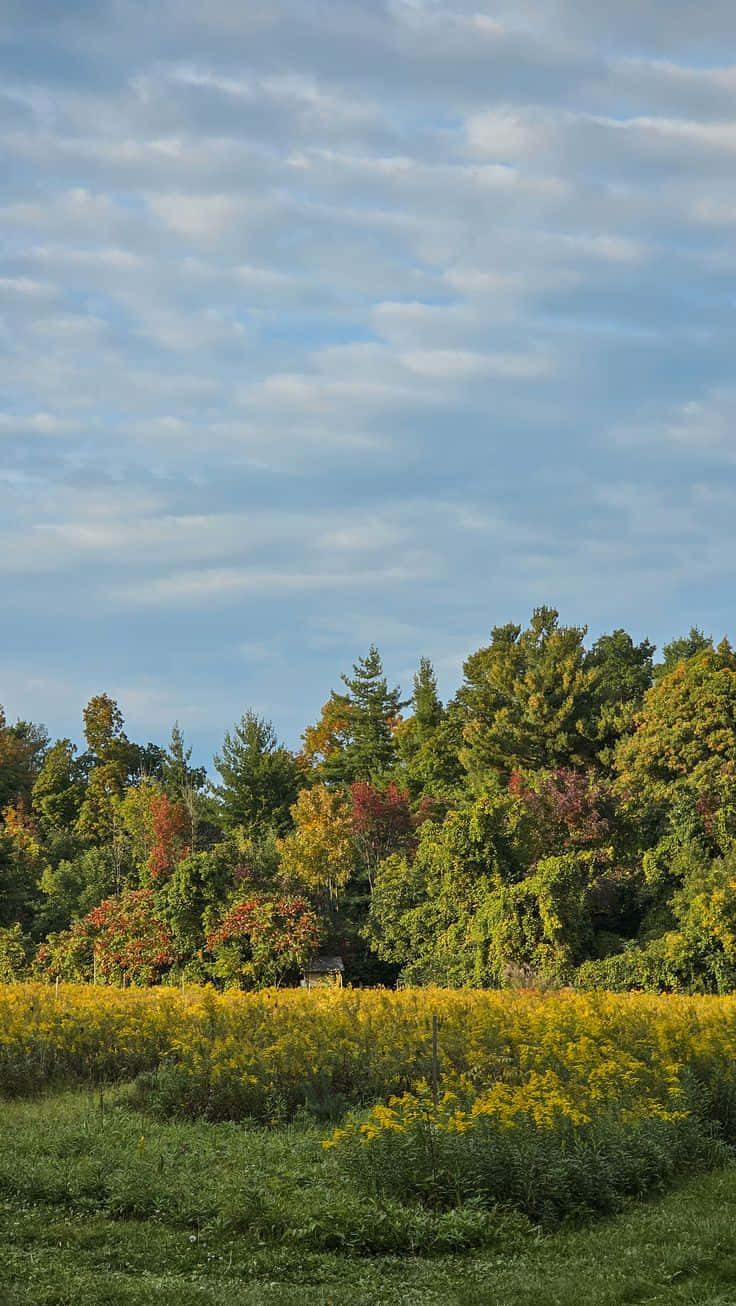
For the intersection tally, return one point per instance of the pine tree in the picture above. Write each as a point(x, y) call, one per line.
point(184, 783)
point(528, 700)
point(178, 776)
point(373, 711)
point(261, 778)
point(428, 710)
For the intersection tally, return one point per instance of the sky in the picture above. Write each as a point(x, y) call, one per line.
point(353, 322)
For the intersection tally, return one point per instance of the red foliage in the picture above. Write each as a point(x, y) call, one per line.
point(288, 920)
point(382, 820)
point(264, 937)
point(569, 809)
point(429, 809)
point(170, 827)
point(130, 940)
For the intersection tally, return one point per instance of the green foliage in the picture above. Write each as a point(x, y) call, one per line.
point(22, 749)
point(355, 736)
point(544, 924)
point(573, 805)
point(685, 739)
point(696, 951)
point(424, 910)
point(178, 776)
point(528, 700)
point(72, 888)
point(623, 675)
point(194, 891)
point(103, 724)
point(373, 710)
point(15, 952)
point(546, 1175)
point(261, 779)
point(679, 650)
point(647, 966)
point(99, 818)
point(58, 792)
point(18, 889)
point(429, 742)
point(428, 710)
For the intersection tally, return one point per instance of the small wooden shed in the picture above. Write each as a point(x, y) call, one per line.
point(321, 971)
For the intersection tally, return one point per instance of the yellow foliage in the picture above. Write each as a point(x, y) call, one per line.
point(319, 854)
point(549, 1058)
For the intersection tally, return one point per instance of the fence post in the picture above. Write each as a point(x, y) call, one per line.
point(435, 1066)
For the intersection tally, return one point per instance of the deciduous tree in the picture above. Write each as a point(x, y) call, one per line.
point(320, 854)
point(265, 939)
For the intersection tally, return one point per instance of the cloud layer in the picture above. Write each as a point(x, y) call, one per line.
point(346, 322)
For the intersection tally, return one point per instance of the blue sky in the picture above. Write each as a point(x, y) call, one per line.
point(355, 321)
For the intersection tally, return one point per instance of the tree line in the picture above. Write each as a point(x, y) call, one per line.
point(568, 817)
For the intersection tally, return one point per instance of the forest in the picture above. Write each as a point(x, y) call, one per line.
point(568, 818)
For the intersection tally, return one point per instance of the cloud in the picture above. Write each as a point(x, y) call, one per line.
point(35, 424)
point(318, 322)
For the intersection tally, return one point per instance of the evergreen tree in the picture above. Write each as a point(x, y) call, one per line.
point(428, 710)
point(623, 675)
point(429, 742)
point(528, 700)
point(178, 776)
point(373, 712)
point(261, 778)
point(184, 784)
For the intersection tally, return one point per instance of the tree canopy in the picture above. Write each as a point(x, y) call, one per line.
point(568, 816)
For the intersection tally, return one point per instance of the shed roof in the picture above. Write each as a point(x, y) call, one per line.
point(323, 965)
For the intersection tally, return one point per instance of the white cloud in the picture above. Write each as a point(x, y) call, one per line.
point(503, 133)
point(215, 585)
point(24, 286)
point(36, 424)
point(201, 216)
point(312, 320)
point(451, 363)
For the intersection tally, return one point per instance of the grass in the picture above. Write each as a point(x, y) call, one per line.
point(99, 1205)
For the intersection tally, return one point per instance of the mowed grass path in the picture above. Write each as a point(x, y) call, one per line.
point(73, 1174)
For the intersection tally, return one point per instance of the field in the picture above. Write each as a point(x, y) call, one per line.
point(159, 1146)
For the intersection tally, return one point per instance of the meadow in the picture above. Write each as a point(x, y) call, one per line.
point(190, 1143)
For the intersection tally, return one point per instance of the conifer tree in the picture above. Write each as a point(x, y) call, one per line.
point(528, 700)
point(428, 710)
point(261, 778)
point(373, 711)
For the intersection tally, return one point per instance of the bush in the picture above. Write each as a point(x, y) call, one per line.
point(15, 950)
point(549, 1174)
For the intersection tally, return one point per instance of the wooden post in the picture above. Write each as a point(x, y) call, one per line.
point(435, 1066)
point(94, 966)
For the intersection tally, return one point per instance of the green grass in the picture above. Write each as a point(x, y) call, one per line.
point(100, 1206)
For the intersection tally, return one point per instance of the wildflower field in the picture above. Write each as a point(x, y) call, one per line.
point(550, 1102)
point(320, 1122)
point(551, 1058)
